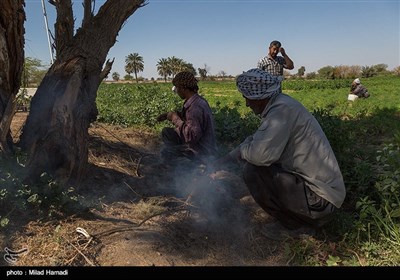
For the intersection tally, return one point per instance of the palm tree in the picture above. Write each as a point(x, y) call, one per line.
point(172, 66)
point(189, 67)
point(134, 64)
point(367, 71)
point(175, 65)
point(163, 68)
point(115, 76)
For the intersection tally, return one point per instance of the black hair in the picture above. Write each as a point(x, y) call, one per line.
point(187, 80)
point(276, 44)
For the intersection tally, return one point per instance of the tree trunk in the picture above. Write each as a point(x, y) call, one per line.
point(12, 17)
point(55, 135)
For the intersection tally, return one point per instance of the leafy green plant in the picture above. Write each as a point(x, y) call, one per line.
point(135, 104)
point(44, 198)
point(381, 213)
point(231, 127)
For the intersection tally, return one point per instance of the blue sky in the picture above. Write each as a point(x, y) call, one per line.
point(233, 35)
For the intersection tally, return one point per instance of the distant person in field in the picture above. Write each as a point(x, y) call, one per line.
point(288, 164)
point(358, 89)
point(274, 64)
point(193, 135)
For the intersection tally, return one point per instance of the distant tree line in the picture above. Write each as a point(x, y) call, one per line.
point(345, 72)
point(34, 71)
point(166, 67)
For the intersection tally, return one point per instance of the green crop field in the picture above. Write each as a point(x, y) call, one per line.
point(140, 104)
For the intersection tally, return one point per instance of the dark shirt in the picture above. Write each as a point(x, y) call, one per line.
point(195, 125)
point(359, 90)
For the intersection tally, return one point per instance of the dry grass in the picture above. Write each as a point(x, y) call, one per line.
point(55, 244)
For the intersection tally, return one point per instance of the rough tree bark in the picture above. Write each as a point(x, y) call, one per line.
point(55, 135)
point(12, 17)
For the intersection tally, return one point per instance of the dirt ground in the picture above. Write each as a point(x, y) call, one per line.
point(136, 212)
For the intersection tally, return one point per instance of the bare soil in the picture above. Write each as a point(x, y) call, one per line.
point(137, 212)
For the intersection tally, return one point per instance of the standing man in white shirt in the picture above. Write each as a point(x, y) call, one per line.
point(274, 64)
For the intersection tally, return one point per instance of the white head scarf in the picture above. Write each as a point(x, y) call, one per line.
point(257, 84)
point(357, 81)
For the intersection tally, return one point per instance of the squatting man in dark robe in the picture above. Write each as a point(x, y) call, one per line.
point(288, 164)
point(193, 134)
